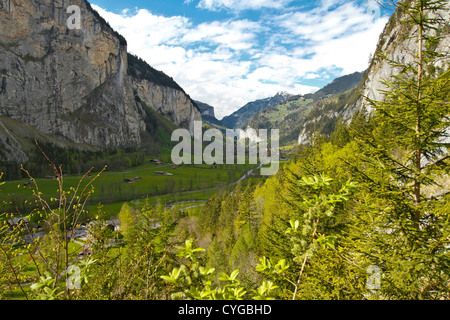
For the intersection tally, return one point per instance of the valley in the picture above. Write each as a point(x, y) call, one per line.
point(98, 196)
point(188, 182)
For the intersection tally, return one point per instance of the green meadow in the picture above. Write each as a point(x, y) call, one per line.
point(187, 182)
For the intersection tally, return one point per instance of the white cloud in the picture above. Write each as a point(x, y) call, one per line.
point(342, 38)
point(231, 62)
point(144, 28)
point(311, 75)
point(350, 53)
point(236, 35)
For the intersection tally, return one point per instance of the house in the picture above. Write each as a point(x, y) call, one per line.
point(163, 173)
point(77, 233)
point(131, 180)
point(157, 162)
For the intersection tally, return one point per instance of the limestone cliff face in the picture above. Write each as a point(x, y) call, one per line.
point(174, 104)
point(206, 109)
point(399, 43)
point(74, 84)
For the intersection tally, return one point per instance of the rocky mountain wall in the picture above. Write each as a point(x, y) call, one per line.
point(73, 83)
point(399, 43)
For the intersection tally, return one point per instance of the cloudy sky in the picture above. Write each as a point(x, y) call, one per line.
point(230, 52)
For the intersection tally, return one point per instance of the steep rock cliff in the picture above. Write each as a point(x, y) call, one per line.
point(399, 43)
point(73, 84)
point(206, 109)
point(173, 104)
point(154, 89)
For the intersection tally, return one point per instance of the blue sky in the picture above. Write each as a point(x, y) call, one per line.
point(230, 52)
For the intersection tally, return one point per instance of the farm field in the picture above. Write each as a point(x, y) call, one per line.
point(111, 189)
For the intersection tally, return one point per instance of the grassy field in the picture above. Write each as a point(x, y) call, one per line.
point(179, 199)
point(190, 182)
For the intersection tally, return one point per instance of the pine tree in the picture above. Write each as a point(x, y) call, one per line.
point(416, 107)
point(399, 224)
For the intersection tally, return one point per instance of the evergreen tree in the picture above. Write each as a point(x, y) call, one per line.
point(416, 107)
point(404, 157)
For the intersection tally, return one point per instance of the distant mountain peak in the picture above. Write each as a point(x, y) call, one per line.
point(241, 117)
point(284, 94)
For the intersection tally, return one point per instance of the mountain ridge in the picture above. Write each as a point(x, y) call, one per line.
point(288, 116)
point(240, 118)
point(398, 44)
point(78, 86)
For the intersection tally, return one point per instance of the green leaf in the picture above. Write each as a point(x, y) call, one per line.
point(203, 271)
point(207, 293)
point(239, 292)
point(325, 241)
point(263, 265)
point(281, 267)
point(234, 275)
point(224, 277)
point(173, 276)
point(36, 286)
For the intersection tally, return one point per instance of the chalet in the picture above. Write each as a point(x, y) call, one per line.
point(157, 162)
point(131, 180)
point(77, 233)
point(163, 173)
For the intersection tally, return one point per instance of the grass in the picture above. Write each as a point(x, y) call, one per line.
point(192, 182)
point(283, 110)
point(179, 199)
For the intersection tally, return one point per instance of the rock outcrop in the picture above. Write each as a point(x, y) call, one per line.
point(74, 84)
point(399, 43)
point(174, 104)
point(206, 109)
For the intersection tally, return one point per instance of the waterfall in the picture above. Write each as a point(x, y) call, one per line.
point(121, 68)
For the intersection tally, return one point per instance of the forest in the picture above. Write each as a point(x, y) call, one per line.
point(72, 161)
point(361, 214)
